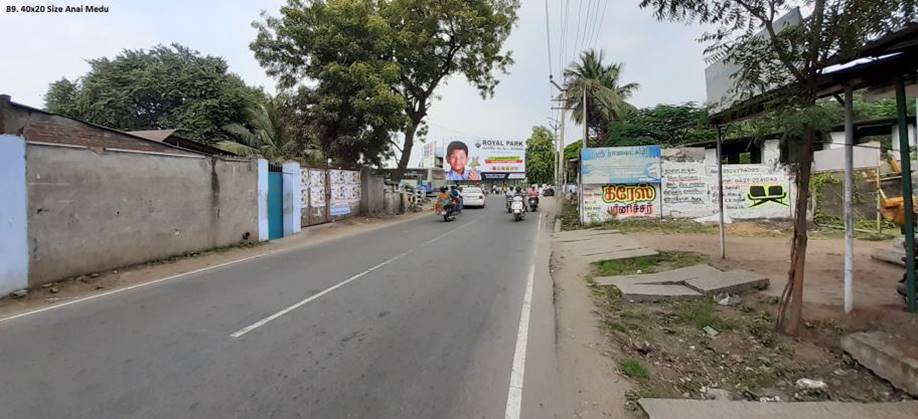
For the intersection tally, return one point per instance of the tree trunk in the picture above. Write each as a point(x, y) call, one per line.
point(406, 152)
point(790, 310)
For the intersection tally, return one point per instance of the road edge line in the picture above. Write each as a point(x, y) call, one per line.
point(128, 288)
point(517, 373)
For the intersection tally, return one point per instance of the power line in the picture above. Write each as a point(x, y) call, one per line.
point(579, 24)
point(601, 19)
point(562, 16)
point(548, 39)
point(590, 23)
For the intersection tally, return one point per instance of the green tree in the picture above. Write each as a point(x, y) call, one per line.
point(793, 57)
point(268, 132)
point(370, 55)
point(162, 88)
point(607, 96)
point(540, 156)
point(668, 125)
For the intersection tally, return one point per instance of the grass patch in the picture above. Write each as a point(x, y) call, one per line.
point(569, 216)
point(648, 264)
point(665, 226)
point(633, 368)
point(700, 313)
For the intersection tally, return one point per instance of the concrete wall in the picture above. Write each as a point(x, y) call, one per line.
point(833, 159)
point(91, 211)
point(14, 253)
point(689, 189)
point(293, 195)
point(372, 197)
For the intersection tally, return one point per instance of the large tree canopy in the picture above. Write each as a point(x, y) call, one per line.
point(162, 88)
point(366, 57)
point(540, 156)
point(747, 34)
point(668, 125)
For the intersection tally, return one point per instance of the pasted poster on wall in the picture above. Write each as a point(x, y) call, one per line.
point(316, 188)
point(752, 191)
point(345, 191)
point(621, 165)
point(616, 201)
point(685, 189)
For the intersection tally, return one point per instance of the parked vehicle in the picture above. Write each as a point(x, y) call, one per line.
point(517, 208)
point(473, 197)
point(549, 191)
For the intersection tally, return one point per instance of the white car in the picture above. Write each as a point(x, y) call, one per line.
point(473, 197)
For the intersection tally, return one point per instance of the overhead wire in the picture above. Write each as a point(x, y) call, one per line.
point(602, 18)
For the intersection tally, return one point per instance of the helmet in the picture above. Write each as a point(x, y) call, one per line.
point(517, 188)
point(443, 189)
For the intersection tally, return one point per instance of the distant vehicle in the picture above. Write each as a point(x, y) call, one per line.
point(549, 191)
point(473, 197)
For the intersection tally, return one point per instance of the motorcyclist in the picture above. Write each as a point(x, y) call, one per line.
point(456, 196)
point(443, 200)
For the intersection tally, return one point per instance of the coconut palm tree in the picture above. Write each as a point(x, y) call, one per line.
point(265, 135)
point(607, 97)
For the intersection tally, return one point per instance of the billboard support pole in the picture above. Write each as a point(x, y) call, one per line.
point(585, 134)
point(720, 192)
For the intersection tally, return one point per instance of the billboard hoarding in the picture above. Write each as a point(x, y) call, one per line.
point(476, 160)
point(621, 165)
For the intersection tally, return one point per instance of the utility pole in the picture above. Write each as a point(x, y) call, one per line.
point(586, 121)
point(560, 148)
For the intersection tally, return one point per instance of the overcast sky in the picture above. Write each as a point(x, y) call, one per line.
point(663, 57)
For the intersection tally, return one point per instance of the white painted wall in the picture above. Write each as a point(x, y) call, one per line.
point(833, 159)
point(262, 200)
point(895, 138)
point(293, 195)
point(14, 250)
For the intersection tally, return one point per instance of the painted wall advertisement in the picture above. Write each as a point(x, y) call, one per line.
point(752, 191)
point(429, 155)
point(476, 160)
point(685, 189)
point(616, 201)
point(621, 165)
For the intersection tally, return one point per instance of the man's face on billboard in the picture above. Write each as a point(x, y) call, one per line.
point(457, 160)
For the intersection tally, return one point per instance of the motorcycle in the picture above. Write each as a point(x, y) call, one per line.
point(533, 203)
point(449, 212)
point(509, 201)
point(517, 208)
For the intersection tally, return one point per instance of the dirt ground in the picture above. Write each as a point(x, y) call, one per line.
point(752, 248)
point(83, 286)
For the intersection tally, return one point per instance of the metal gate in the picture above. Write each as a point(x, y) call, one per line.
point(275, 205)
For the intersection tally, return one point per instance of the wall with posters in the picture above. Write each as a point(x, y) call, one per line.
point(687, 188)
point(345, 193)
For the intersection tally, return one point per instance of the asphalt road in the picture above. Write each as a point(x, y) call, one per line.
point(416, 320)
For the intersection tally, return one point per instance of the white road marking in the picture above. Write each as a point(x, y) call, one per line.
point(92, 297)
point(515, 393)
point(239, 333)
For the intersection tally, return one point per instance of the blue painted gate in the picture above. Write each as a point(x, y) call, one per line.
point(275, 205)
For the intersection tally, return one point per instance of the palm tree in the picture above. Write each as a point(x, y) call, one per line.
point(264, 135)
point(607, 98)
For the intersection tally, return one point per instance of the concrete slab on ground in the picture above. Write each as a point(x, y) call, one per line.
point(656, 292)
point(715, 409)
point(694, 281)
point(620, 254)
point(892, 357)
point(730, 282)
point(891, 252)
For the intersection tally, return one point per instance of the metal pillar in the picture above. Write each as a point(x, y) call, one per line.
point(848, 201)
point(909, 227)
point(585, 136)
point(720, 193)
